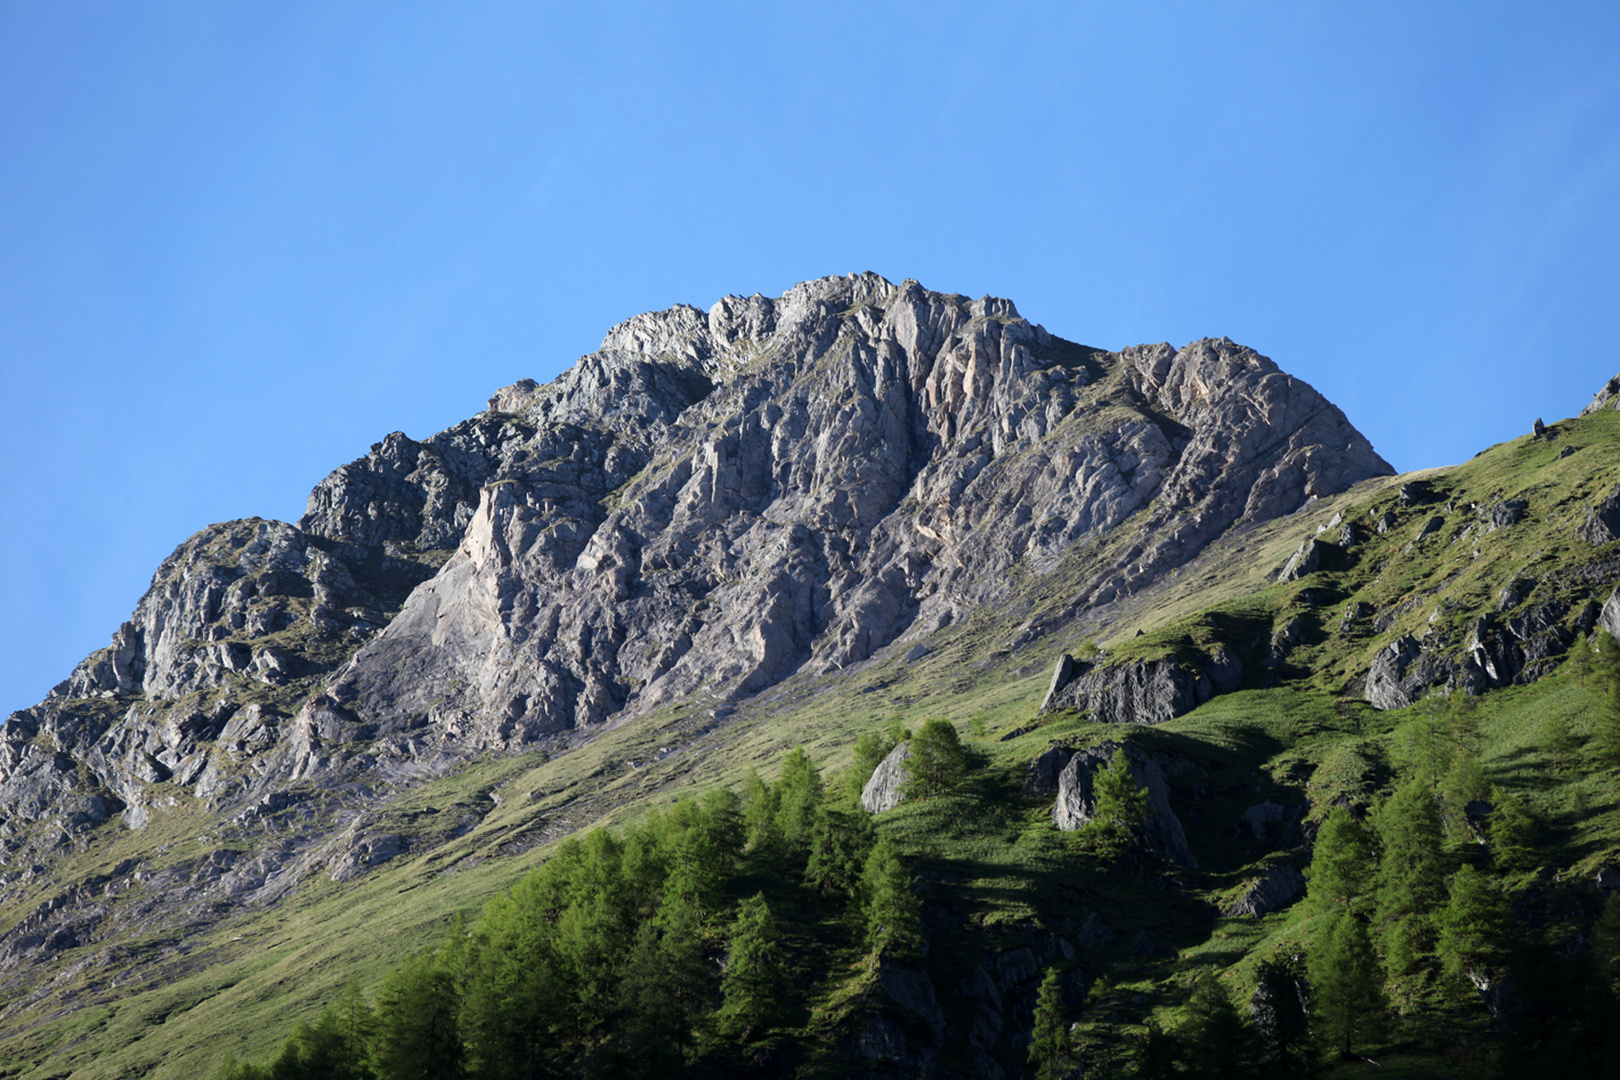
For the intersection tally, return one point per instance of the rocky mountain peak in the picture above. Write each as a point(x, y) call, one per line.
point(710, 506)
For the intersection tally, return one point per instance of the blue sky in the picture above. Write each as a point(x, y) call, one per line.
point(241, 242)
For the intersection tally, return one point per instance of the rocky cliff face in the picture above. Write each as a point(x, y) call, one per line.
point(710, 504)
point(714, 502)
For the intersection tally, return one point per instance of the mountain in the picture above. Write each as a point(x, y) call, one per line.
point(726, 533)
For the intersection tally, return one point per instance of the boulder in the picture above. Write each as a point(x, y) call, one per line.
point(1305, 560)
point(1609, 619)
point(882, 791)
point(1062, 675)
point(1148, 691)
point(1603, 520)
point(1076, 801)
point(1273, 890)
point(1387, 685)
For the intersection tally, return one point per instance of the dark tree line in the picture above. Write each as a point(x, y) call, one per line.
point(633, 953)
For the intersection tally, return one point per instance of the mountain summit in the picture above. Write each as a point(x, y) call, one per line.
point(707, 505)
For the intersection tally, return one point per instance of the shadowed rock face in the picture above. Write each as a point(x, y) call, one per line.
point(1076, 801)
point(709, 504)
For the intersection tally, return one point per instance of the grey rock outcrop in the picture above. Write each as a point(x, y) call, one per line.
point(1606, 398)
point(709, 504)
point(883, 791)
point(1303, 561)
point(1272, 891)
point(1603, 520)
point(1145, 692)
point(1401, 673)
point(1076, 801)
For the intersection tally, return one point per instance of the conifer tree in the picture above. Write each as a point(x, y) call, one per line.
point(1464, 782)
point(753, 988)
point(1051, 1050)
point(1346, 988)
point(418, 1037)
point(1219, 1045)
point(838, 852)
point(1473, 930)
point(1411, 886)
point(1341, 867)
point(1120, 809)
point(1281, 1024)
point(798, 796)
point(1512, 834)
point(654, 1027)
point(1423, 743)
point(1557, 740)
point(891, 907)
point(937, 762)
point(759, 805)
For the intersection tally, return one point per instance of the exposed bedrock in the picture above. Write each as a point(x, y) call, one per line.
point(705, 506)
point(1143, 691)
point(1070, 775)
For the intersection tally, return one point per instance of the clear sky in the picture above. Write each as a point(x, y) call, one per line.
point(240, 242)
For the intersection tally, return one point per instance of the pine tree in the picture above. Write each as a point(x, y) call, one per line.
point(891, 907)
point(653, 1026)
point(1346, 989)
point(514, 1000)
point(1473, 930)
point(759, 805)
point(798, 796)
point(838, 852)
point(1557, 741)
point(1280, 1021)
point(1341, 865)
point(937, 762)
point(1423, 744)
point(1464, 782)
point(1512, 834)
point(1411, 886)
point(1119, 811)
point(1219, 1044)
point(1051, 1051)
point(753, 988)
point(418, 1037)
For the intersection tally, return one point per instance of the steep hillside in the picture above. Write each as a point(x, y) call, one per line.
point(778, 523)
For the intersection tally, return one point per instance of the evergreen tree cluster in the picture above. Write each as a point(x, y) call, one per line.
point(639, 953)
point(1409, 915)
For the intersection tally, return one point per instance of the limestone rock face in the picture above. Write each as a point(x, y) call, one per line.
point(806, 480)
point(709, 504)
